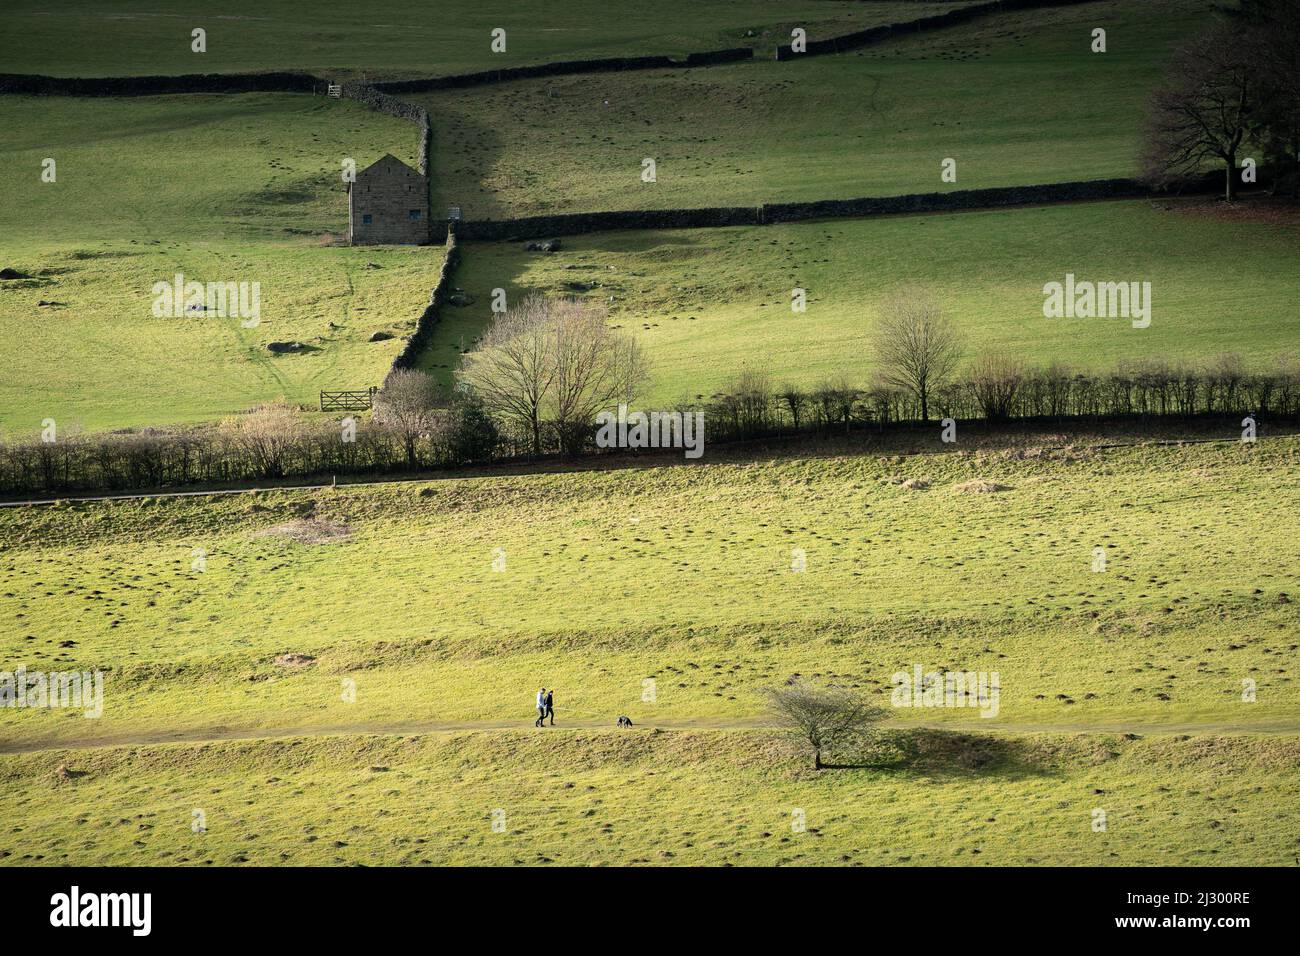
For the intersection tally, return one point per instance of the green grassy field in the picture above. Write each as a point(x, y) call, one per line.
point(681, 576)
point(346, 676)
point(1014, 99)
point(709, 303)
point(661, 799)
point(136, 38)
point(218, 166)
point(245, 188)
point(217, 188)
point(100, 359)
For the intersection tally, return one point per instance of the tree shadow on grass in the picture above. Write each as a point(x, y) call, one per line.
point(942, 753)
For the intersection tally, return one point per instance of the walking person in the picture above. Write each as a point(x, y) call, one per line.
point(550, 706)
point(541, 707)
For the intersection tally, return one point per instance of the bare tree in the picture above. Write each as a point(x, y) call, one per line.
point(795, 400)
point(267, 436)
point(595, 367)
point(1272, 30)
point(994, 380)
point(1203, 111)
point(512, 369)
point(916, 347)
point(556, 361)
point(833, 400)
point(821, 717)
point(842, 397)
point(408, 406)
point(747, 403)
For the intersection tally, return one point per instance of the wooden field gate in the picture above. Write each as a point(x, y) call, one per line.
point(348, 400)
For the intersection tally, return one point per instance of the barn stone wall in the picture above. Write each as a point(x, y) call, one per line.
point(37, 85)
point(861, 38)
point(564, 68)
point(538, 227)
point(381, 102)
point(429, 317)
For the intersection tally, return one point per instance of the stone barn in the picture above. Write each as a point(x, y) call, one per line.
point(388, 205)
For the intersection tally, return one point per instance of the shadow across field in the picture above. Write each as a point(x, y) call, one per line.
point(943, 753)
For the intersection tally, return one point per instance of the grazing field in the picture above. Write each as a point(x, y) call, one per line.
point(1014, 99)
point(346, 675)
point(681, 576)
point(216, 188)
point(99, 358)
point(133, 37)
point(678, 574)
point(215, 166)
point(708, 303)
point(670, 798)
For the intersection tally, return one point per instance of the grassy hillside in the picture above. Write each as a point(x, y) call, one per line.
point(250, 166)
point(100, 359)
point(679, 575)
point(1013, 99)
point(217, 188)
point(707, 303)
point(662, 799)
point(134, 37)
point(346, 676)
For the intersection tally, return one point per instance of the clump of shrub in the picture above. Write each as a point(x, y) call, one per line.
point(414, 426)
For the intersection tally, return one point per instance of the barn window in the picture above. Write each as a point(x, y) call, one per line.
point(366, 219)
point(414, 215)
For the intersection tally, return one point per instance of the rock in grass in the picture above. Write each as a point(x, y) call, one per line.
point(545, 245)
point(381, 337)
point(8, 273)
point(281, 347)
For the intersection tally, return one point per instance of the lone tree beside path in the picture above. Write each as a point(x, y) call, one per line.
point(822, 717)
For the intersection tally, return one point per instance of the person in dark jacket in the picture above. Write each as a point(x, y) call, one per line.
point(550, 706)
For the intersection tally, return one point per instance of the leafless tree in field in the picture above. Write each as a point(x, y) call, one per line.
point(795, 400)
point(266, 436)
point(916, 348)
point(994, 379)
point(408, 406)
point(511, 371)
point(595, 368)
point(821, 718)
point(1272, 30)
point(1203, 111)
point(746, 402)
point(557, 362)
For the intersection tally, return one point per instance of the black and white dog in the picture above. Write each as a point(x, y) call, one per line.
point(625, 721)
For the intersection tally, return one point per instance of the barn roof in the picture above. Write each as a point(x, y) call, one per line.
point(388, 160)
